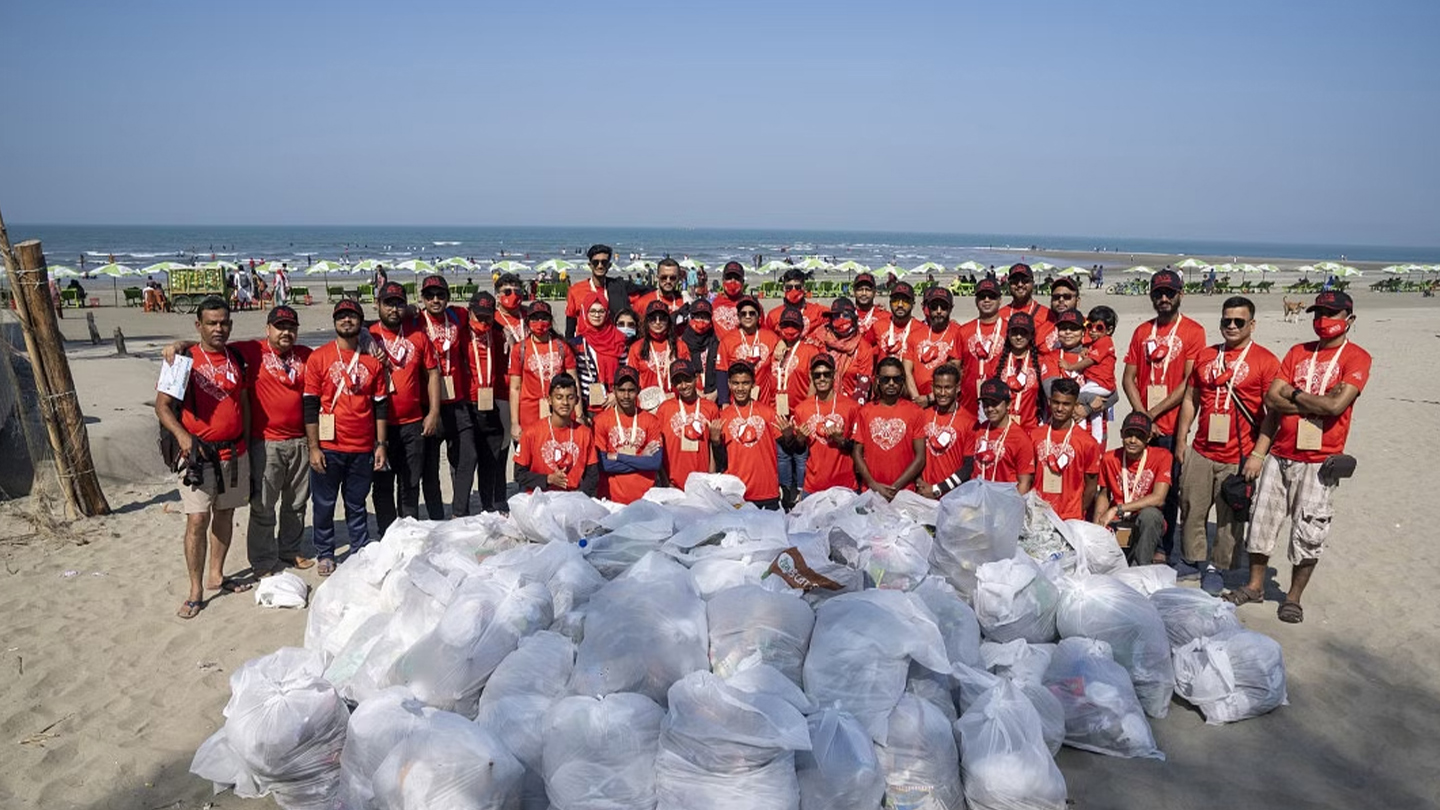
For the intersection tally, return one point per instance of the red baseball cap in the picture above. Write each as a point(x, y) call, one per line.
point(1138, 422)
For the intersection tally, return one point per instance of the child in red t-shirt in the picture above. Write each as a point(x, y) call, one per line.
point(1134, 480)
point(558, 453)
point(748, 430)
point(627, 441)
point(1067, 460)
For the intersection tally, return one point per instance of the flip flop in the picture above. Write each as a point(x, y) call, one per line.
point(189, 610)
point(1243, 596)
point(1291, 613)
point(235, 585)
point(326, 567)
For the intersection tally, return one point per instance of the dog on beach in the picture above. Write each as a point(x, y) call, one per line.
point(1293, 309)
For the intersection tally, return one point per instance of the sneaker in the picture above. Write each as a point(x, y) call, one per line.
point(1184, 570)
point(1211, 581)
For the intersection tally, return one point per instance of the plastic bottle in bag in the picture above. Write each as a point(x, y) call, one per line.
point(749, 625)
point(1102, 713)
point(1003, 757)
point(919, 758)
point(979, 522)
point(599, 753)
point(1014, 599)
point(1104, 608)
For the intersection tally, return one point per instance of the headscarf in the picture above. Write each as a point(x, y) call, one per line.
point(606, 340)
point(705, 346)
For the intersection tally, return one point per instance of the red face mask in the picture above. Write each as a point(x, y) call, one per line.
point(700, 326)
point(510, 300)
point(732, 287)
point(1330, 328)
point(789, 334)
point(479, 326)
point(793, 296)
point(844, 325)
point(540, 328)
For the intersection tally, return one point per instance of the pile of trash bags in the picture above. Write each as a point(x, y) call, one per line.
point(689, 650)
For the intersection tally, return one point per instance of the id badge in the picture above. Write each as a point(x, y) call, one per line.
point(782, 404)
point(544, 409)
point(1122, 536)
point(390, 382)
point(688, 445)
point(1051, 482)
point(485, 399)
point(327, 427)
point(1308, 434)
point(1155, 394)
point(448, 384)
point(597, 395)
point(1219, 430)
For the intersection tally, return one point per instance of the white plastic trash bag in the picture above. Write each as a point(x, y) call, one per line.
point(1003, 756)
point(749, 625)
point(555, 517)
point(376, 727)
point(449, 763)
point(621, 539)
point(860, 653)
point(1190, 613)
point(1147, 579)
point(1102, 713)
point(956, 620)
point(600, 752)
point(715, 491)
point(284, 590)
point(283, 733)
point(1044, 536)
point(1098, 549)
point(518, 695)
point(979, 522)
point(919, 758)
point(1231, 676)
point(1014, 599)
point(840, 771)
point(1104, 608)
point(643, 632)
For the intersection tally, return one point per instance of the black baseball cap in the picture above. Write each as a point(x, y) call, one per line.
point(749, 301)
point(864, 278)
point(822, 359)
point(391, 290)
point(1020, 270)
point(282, 314)
point(1166, 280)
point(939, 294)
point(655, 307)
point(482, 303)
point(1069, 317)
point(683, 370)
point(1333, 300)
point(1137, 421)
point(994, 390)
point(903, 290)
point(701, 307)
point(735, 269)
point(540, 308)
point(792, 315)
point(627, 373)
point(1021, 320)
point(348, 306)
point(433, 282)
point(987, 285)
point(1064, 281)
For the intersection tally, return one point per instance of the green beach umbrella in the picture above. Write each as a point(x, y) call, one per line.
point(509, 266)
point(456, 262)
point(325, 266)
point(772, 266)
point(691, 264)
point(637, 266)
point(416, 266)
point(1041, 267)
point(218, 265)
point(1307, 269)
point(851, 266)
point(114, 270)
point(1189, 263)
point(1346, 271)
point(270, 267)
point(164, 267)
point(972, 266)
point(886, 269)
point(1075, 270)
point(1142, 269)
point(555, 266)
point(61, 271)
point(1267, 268)
point(927, 267)
point(812, 263)
point(1398, 269)
point(365, 265)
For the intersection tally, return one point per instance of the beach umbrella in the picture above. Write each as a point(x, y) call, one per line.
point(115, 271)
point(1075, 270)
point(1346, 271)
point(691, 264)
point(556, 265)
point(772, 266)
point(813, 263)
point(972, 266)
point(61, 271)
point(271, 266)
point(218, 265)
point(1042, 267)
point(1267, 268)
point(637, 266)
point(851, 266)
point(1398, 269)
point(927, 267)
point(1307, 269)
point(416, 266)
point(509, 266)
point(163, 267)
point(456, 262)
point(365, 266)
point(1188, 263)
point(886, 269)
point(1140, 268)
point(325, 266)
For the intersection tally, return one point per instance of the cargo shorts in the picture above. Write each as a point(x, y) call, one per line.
point(1291, 490)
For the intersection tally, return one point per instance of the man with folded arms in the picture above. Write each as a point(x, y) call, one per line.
point(627, 442)
point(1226, 401)
point(413, 413)
point(446, 327)
point(1311, 402)
point(1134, 479)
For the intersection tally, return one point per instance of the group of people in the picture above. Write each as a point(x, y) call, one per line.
point(648, 386)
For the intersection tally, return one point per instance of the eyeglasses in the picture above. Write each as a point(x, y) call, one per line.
point(599, 262)
point(598, 311)
point(430, 295)
point(822, 375)
point(1156, 295)
point(1233, 323)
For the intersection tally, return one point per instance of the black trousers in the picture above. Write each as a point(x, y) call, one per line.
point(1171, 509)
point(458, 433)
point(405, 451)
point(492, 444)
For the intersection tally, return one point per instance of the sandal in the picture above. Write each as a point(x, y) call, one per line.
point(189, 610)
point(236, 585)
point(326, 567)
point(1291, 613)
point(1243, 596)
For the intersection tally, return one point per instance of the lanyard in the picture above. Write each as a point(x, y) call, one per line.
point(287, 361)
point(660, 364)
point(987, 343)
point(752, 348)
point(547, 371)
point(395, 349)
point(569, 440)
point(634, 425)
point(1310, 379)
point(999, 450)
point(1169, 355)
point(1074, 375)
point(951, 423)
point(349, 374)
point(1127, 485)
point(1050, 440)
point(904, 338)
point(1222, 399)
point(514, 333)
point(482, 378)
point(787, 367)
point(229, 368)
point(867, 319)
point(1011, 371)
point(443, 332)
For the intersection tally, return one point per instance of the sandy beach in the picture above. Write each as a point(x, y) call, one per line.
point(105, 694)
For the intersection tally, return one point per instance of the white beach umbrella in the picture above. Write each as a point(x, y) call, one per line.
point(416, 266)
point(1142, 269)
point(164, 267)
point(927, 267)
point(1267, 268)
point(772, 266)
point(509, 266)
point(1075, 270)
point(554, 266)
point(637, 266)
point(218, 265)
point(1346, 271)
point(851, 266)
point(1042, 267)
point(325, 267)
point(272, 266)
point(365, 265)
point(812, 263)
point(456, 262)
point(1190, 262)
point(972, 266)
point(1397, 269)
point(61, 271)
point(886, 269)
point(692, 264)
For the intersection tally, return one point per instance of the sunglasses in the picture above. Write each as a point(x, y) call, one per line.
point(657, 316)
point(1156, 295)
point(669, 278)
point(509, 291)
point(795, 286)
point(890, 379)
point(1063, 296)
point(599, 262)
point(939, 305)
point(987, 297)
point(430, 295)
point(1233, 323)
point(822, 375)
point(749, 313)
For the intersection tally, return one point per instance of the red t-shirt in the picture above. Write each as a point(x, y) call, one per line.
point(887, 434)
point(678, 420)
point(725, 319)
point(927, 350)
point(1102, 351)
point(1142, 480)
point(536, 364)
point(947, 442)
point(756, 349)
point(215, 387)
point(854, 369)
point(277, 389)
point(1179, 341)
point(410, 356)
point(348, 385)
point(1316, 370)
point(546, 449)
point(636, 436)
point(868, 318)
point(450, 337)
point(640, 302)
point(1037, 310)
point(1019, 372)
point(790, 371)
point(487, 364)
point(577, 294)
point(1079, 454)
point(982, 346)
point(813, 315)
point(828, 465)
point(890, 340)
point(749, 439)
point(1248, 371)
point(1002, 452)
point(655, 372)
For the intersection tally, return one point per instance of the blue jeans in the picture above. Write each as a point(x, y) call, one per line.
point(347, 476)
point(792, 467)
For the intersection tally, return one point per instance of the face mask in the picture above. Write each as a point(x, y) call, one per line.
point(480, 326)
point(794, 296)
point(843, 325)
point(510, 300)
point(733, 287)
point(540, 328)
point(790, 334)
point(1330, 328)
point(700, 326)
point(627, 331)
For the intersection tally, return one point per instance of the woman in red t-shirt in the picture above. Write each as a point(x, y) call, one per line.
point(1022, 368)
point(533, 365)
point(658, 349)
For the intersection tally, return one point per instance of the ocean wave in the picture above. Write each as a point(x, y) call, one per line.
point(446, 243)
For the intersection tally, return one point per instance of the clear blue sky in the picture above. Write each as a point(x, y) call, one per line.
point(1276, 121)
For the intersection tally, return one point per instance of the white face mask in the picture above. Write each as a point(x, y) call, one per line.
point(627, 331)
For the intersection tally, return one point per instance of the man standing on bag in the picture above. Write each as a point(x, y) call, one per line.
point(1311, 402)
point(345, 410)
point(1226, 400)
point(413, 374)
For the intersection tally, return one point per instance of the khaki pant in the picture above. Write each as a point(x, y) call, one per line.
point(1293, 490)
point(1200, 480)
point(207, 497)
point(279, 479)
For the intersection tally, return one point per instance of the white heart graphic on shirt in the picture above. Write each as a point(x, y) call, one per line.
point(560, 455)
point(887, 433)
point(737, 428)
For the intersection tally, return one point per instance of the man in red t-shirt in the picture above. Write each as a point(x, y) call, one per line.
point(557, 453)
point(1002, 450)
point(890, 332)
point(618, 292)
point(1067, 459)
point(812, 315)
point(1064, 297)
point(667, 291)
point(982, 343)
point(1022, 296)
point(489, 401)
point(932, 345)
point(345, 410)
point(749, 431)
point(1226, 400)
point(413, 381)
point(751, 344)
point(866, 313)
point(211, 430)
point(445, 325)
point(627, 442)
point(1134, 479)
point(947, 437)
point(889, 447)
point(790, 371)
point(684, 423)
point(1160, 359)
point(1310, 404)
point(726, 318)
point(825, 424)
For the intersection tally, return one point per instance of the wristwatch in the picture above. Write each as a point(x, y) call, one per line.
point(1294, 394)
